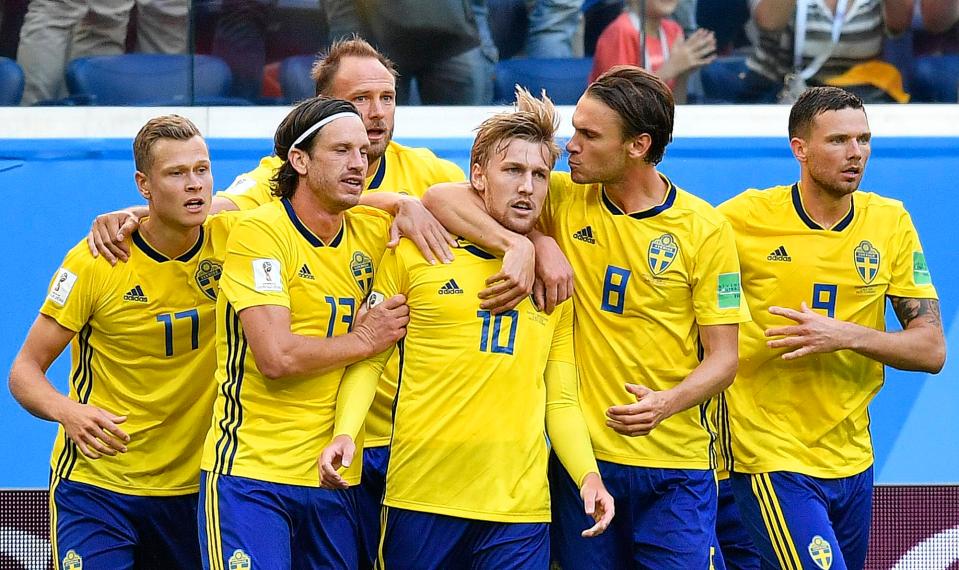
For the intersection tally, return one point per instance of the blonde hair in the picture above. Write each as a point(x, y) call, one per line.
point(165, 127)
point(533, 120)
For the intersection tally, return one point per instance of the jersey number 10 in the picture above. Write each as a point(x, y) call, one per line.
point(491, 342)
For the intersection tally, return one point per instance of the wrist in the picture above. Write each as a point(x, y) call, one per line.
point(404, 203)
point(590, 478)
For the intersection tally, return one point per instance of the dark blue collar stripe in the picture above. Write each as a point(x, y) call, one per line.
point(810, 223)
point(159, 257)
point(667, 203)
point(380, 174)
point(305, 231)
point(479, 252)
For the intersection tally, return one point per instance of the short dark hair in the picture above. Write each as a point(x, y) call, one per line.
point(302, 117)
point(814, 102)
point(165, 127)
point(644, 103)
point(328, 63)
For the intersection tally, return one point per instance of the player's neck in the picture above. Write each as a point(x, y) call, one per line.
point(823, 207)
point(640, 188)
point(170, 240)
point(315, 215)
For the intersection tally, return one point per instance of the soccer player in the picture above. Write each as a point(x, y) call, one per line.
point(467, 482)
point(294, 274)
point(819, 260)
point(657, 306)
point(395, 178)
point(125, 464)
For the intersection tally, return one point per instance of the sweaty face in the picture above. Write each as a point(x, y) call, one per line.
point(597, 151)
point(837, 148)
point(513, 183)
point(335, 167)
point(178, 182)
point(366, 83)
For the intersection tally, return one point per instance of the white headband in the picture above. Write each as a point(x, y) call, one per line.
point(319, 125)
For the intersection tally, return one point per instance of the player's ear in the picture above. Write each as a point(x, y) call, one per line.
point(638, 146)
point(143, 185)
point(477, 178)
point(798, 147)
point(297, 158)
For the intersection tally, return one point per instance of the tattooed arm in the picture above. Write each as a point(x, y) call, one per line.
point(920, 345)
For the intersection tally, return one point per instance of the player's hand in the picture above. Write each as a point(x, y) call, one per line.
point(383, 325)
point(108, 235)
point(514, 282)
point(598, 503)
point(413, 221)
point(94, 431)
point(812, 334)
point(339, 453)
point(642, 417)
point(554, 275)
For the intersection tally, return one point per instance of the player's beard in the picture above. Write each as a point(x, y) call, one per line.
point(833, 188)
point(378, 149)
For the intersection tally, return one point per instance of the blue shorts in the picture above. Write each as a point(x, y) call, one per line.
point(736, 549)
point(369, 500)
point(665, 519)
point(96, 528)
point(420, 541)
point(246, 523)
point(802, 522)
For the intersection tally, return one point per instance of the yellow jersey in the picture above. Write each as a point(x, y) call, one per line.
point(475, 394)
point(810, 415)
point(644, 283)
point(144, 349)
point(274, 430)
point(405, 170)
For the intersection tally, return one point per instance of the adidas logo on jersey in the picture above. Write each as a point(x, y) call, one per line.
point(305, 273)
point(585, 234)
point(450, 288)
point(779, 255)
point(136, 294)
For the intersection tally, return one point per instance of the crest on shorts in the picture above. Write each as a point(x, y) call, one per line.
point(362, 268)
point(866, 257)
point(72, 561)
point(661, 253)
point(239, 561)
point(821, 552)
point(208, 276)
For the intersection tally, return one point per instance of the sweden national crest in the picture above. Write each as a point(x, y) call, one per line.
point(240, 561)
point(866, 258)
point(821, 552)
point(362, 268)
point(72, 561)
point(661, 253)
point(208, 277)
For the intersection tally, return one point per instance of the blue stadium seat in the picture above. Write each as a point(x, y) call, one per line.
point(295, 81)
point(11, 82)
point(509, 26)
point(935, 79)
point(564, 79)
point(150, 80)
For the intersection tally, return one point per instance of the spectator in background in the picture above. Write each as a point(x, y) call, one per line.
point(552, 26)
point(598, 14)
point(57, 31)
point(839, 42)
point(461, 78)
point(668, 55)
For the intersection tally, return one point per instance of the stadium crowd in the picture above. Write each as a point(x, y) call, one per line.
point(449, 52)
point(358, 354)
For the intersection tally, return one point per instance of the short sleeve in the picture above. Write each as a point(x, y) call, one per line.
point(910, 272)
point(715, 279)
point(252, 189)
point(73, 294)
point(257, 267)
